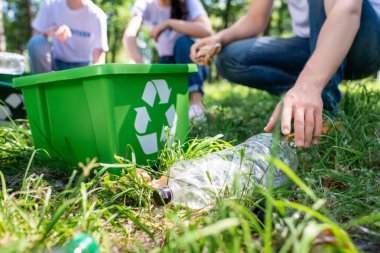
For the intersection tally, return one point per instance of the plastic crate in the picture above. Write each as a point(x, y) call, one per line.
point(103, 110)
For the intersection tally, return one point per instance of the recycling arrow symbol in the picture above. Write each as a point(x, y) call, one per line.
point(149, 141)
point(142, 120)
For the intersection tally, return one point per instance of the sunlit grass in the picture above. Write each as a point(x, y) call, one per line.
point(333, 204)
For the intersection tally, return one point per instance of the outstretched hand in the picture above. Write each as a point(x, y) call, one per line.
point(305, 108)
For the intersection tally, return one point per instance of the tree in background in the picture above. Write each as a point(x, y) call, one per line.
point(18, 15)
point(2, 32)
point(118, 12)
point(224, 13)
point(280, 24)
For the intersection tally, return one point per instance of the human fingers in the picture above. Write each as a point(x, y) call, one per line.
point(286, 118)
point(195, 48)
point(63, 33)
point(309, 127)
point(59, 33)
point(68, 31)
point(273, 119)
point(318, 123)
point(61, 36)
point(299, 127)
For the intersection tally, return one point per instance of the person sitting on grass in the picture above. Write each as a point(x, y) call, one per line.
point(78, 30)
point(335, 39)
point(174, 24)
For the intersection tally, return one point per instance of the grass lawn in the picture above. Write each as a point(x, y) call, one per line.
point(333, 205)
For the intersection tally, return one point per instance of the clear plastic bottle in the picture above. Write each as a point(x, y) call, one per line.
point(12, 64)
point(196, 183)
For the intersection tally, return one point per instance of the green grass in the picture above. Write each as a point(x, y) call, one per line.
point(333, 206)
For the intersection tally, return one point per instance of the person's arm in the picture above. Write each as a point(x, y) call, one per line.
point(303, 102)
point(253, 23)
point(62, 32)
point(130, 38)
point(100, 46)
point(44, 23)
point(98, 56)
point(198, 28)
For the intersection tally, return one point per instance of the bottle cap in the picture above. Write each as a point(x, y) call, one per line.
point(162, 196)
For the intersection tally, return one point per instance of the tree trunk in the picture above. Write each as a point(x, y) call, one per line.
point(281, 15)
point(267, 29)
point(3, 44)
point(115, 44)
point(227, 12)
point(29, 17)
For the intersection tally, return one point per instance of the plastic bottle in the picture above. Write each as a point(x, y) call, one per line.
point(196, 183)
point(12, 64)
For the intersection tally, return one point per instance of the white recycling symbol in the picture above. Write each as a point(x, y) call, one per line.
point(149, 141)
point(13, 101)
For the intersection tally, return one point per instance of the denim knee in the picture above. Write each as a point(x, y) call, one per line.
point(181, 50)
point(39, 49)
point(226, 63)
point(38, 45)
point(182, 43)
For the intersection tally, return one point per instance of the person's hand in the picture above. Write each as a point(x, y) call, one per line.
point(62, 33)
point(204, 49)
point(158, 29)
point(305, 107)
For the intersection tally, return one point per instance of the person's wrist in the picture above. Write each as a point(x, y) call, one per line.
point(311, 80)
point(51, 31)
point(311, 87)
point(218, 38)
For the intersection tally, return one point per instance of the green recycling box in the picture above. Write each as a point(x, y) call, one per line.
point(103, 110)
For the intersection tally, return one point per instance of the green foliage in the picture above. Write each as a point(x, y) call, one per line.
point(17, 23)
point(333, 205)
point(18, 16)
point(118, 12)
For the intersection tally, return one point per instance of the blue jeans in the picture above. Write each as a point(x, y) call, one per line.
point(42, 59)
point(273, 64)
point(62, 65)
point(181, 54)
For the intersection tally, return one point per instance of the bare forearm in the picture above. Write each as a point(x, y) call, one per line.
point(99, 56)
point(334, 42)
point(242, 29)
point(249, 25)
point(49, 32)
point(130, 38)
point(192, 29)
point(303, 103)
point(130, 45)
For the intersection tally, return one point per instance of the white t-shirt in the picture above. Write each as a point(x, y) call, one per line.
point(88, 26)
point(154, 14)
point(299, 11)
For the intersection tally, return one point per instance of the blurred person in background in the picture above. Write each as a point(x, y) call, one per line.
point(334, 39)
point(67, 34)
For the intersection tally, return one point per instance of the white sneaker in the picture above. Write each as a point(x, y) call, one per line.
point(197, 113)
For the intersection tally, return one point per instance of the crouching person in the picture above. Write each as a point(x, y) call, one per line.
point(67, 34)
